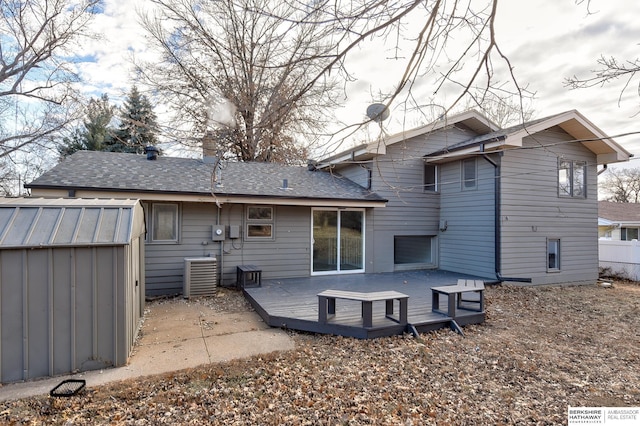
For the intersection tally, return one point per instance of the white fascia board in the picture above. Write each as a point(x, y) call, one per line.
point(616, 152)
point(222, 199)
point(306, 202)
point(362, 152)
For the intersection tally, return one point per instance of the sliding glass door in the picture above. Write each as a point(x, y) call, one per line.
point(337, 241)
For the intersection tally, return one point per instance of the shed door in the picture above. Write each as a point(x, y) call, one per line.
point(338, 241)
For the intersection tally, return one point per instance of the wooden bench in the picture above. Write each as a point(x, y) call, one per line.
point(252, 272)
point(327, 304)
point(455, 297)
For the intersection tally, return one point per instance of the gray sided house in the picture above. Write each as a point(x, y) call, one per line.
point(517, 204)
point(71, 285)
point(290, 221)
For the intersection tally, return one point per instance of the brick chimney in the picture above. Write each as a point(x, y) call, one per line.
point(208, 146)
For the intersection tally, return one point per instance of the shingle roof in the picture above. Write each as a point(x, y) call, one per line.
point(619, 212)
point(109, 171)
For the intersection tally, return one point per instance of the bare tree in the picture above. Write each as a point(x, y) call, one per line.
point(36, 76)
point(506, 110)
point(239, 71)
point(609, 69)
point(274, 62)
point(621, 185)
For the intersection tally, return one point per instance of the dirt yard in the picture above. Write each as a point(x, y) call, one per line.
point(540, 351)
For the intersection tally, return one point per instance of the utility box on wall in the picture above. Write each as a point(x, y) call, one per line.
point(217, 233)
point(234, 232)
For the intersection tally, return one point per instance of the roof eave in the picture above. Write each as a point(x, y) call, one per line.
point(484, 147)
point(219, 197)
point(578, 126)
point(472, 119)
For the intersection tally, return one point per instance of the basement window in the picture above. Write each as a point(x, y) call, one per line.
point(553, 255)
point(413, 251)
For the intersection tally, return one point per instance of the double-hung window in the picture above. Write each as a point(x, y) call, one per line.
point(469, 174)
point(572, 178)
point(430, 178)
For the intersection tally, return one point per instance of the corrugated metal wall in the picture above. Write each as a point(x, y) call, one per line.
point(71, 307)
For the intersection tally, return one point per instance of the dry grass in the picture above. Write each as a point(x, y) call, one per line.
point(540, 351)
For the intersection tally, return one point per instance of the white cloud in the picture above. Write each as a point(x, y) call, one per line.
point(546, 40)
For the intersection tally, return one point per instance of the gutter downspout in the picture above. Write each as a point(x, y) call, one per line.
point(604, 169)
point(496, 220)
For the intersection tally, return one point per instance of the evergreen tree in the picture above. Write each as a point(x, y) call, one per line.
point(138, 125)
point(76, 142)
point(97, 132)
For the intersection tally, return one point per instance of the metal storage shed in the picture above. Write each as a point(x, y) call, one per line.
point(71, 284)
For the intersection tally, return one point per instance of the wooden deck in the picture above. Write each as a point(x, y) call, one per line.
point(293, 303)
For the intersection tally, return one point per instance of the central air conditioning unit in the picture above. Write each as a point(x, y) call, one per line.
point(200, 276)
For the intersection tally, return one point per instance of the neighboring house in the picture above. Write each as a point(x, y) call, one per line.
point(619, 246)
point(618, 221)
point(518, 204)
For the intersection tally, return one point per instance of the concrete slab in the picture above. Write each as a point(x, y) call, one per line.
point(176, 335)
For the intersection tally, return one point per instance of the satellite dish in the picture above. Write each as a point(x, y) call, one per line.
point(378, 112)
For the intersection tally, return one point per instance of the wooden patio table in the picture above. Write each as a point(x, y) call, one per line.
point(327, 304)
point(454, 296)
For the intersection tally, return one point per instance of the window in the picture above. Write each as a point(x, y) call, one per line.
point(628, 234)
point(430, 178)
point(412, 250)
point(572, 178)
point(469, 174)
point(553, 254)
point(164, 222)
point(259, 222)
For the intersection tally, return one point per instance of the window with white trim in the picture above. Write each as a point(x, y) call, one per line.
point(572, 180)
point(469, 174)
point(259, 223)
point(163, 222)
point(553, 254)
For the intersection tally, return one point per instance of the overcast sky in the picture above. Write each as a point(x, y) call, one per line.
point(545, 40)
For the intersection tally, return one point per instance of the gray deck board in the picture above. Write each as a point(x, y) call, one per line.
point(293, 303)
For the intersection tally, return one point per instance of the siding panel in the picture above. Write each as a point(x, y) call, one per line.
point(287, 255)
point(467, 246)
point(398, 176)
point(531, 213)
